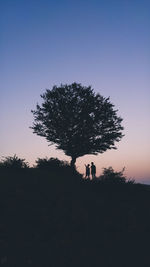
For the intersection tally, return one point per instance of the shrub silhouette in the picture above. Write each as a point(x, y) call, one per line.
point(13, 162)
point(52, 164)
point(111, 177)
point(58, 168)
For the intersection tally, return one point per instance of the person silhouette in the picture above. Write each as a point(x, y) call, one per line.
point(87, 167)
point(93, 170)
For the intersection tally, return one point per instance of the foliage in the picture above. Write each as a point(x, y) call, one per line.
point(131, 181)
point(58, 168)
point(51, 163)
point(13, 162)
point(110, 176)
point(77, 120)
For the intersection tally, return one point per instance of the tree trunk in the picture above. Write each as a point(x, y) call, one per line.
point(73, 162)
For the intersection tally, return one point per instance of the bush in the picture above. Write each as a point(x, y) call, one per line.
point(52, 164)
point(13, 162)
point(111, 177)
point(59, 167)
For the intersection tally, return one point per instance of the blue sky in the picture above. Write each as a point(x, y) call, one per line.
point(100, 43)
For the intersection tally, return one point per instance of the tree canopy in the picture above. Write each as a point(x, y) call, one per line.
point(77, 120)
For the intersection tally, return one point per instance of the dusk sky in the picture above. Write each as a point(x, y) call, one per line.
point(105, 44)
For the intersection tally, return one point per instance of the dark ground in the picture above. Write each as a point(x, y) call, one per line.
point(52, 220)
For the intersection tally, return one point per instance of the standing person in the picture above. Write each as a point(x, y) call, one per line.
point(87, 167)
point(93, 170)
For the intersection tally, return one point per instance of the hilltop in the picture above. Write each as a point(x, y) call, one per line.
point(59, 219)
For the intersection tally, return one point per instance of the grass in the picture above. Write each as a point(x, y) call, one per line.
point(57, 219)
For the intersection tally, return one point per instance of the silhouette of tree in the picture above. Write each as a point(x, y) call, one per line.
point(77, 120)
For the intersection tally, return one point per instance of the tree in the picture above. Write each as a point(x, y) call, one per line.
point(77, 120)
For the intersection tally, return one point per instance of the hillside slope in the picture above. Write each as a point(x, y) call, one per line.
point(49, 219)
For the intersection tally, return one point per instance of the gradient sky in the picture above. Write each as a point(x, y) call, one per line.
point(104, 44)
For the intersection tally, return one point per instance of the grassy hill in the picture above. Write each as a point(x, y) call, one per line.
point(58, 219)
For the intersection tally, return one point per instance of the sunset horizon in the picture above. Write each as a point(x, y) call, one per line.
point(105, 45)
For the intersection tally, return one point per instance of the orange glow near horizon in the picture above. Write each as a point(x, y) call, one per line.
point(107, 47)
point(136, 167)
